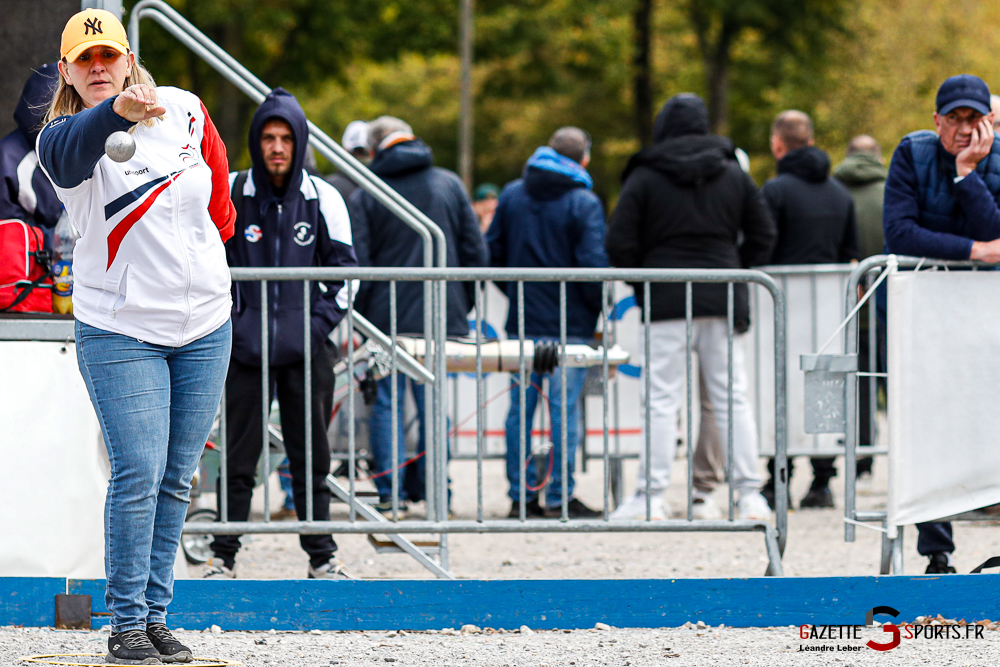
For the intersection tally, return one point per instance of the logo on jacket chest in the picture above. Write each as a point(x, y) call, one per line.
point(252, 233)
point(303, 233)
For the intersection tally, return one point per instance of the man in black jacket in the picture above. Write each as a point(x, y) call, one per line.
point(284, 217)
point(816, 225)
point(406, 164)
point(684, 203)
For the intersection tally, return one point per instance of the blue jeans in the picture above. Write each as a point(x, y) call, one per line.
point(574, 387)
point(155, 405)
point(411, 477)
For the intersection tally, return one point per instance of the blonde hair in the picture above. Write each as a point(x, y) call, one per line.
point(67, 102)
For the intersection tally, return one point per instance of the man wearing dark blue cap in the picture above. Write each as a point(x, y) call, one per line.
point(942, 200)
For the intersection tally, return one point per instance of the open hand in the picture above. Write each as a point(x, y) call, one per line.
point(138, 103)
point(978, 148)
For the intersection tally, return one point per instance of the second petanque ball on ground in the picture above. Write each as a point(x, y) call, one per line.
point(120, 146)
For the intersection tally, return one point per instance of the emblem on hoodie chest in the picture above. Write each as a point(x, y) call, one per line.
point(303, 233)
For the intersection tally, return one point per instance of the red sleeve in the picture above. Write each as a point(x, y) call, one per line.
point(221, 208)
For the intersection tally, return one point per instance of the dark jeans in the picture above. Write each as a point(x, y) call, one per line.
point(243, 420)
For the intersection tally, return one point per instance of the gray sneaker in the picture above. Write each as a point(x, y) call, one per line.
point(332, 569)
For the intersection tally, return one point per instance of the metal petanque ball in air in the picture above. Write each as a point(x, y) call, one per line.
point(120, 146)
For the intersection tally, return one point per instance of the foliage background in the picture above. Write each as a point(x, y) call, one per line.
point(857, 66)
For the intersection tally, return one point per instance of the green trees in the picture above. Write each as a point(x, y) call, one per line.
point(605, 65)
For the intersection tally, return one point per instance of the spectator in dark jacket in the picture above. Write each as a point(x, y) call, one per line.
point(942, 200)
point(550, 218)
point(816, 225)
point(406, 164)
point(355, 141)
point(684, 204)
point(814, 213)
point(25, 192)
point(286, 218)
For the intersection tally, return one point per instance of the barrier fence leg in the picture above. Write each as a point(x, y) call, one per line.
point(774, 567)
point(885, 564)
point(897, 552)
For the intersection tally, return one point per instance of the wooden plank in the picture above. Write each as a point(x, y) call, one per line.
point(434, 604)
point(29, 601)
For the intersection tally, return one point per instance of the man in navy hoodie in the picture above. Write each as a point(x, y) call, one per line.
point(550, 218)
point(284, 218)
point(25, 193)
point(942, 200)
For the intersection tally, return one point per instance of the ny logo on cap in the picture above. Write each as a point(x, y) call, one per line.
point(92, 24)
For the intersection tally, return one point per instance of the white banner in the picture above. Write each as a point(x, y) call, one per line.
point(55, 467)
point(944, 390)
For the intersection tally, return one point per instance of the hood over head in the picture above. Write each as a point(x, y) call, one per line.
point(809, 163)
point(35, 99)
point(402, 158)
point(860, 169)
point(685, 160)
point(281, 105)
point(682, 115)
point(549, 175)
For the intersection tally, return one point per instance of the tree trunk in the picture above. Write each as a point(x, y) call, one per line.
point(231, 105)
point(714, 46)
point(642, 83)
point(717, 75)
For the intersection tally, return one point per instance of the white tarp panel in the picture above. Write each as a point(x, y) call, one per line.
point(53, 467)
point(815, 308)
point(944, 394)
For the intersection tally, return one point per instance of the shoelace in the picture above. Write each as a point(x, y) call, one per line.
point(161, 633)
point(134, 639)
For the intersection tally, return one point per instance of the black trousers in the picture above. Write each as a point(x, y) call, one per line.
point(243, 442)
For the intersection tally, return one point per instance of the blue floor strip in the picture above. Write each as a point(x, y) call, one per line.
point(565, 604)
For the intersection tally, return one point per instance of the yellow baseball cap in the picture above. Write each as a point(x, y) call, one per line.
point(92, 27)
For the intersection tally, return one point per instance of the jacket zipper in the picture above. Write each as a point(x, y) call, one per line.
point(187, 263)
point(273, 305)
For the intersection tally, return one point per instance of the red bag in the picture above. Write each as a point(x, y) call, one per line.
point(25, 269)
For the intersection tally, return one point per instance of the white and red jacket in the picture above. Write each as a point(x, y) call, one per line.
point(150, 262)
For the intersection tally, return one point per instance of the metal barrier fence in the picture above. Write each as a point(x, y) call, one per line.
point(863, 275)
point(398, 355)
point(814, 295)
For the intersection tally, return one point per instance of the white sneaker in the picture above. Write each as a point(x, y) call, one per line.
point(214, 569)
point(705, 509)
point(753, 506)
point(332, 569)
point(634, 508)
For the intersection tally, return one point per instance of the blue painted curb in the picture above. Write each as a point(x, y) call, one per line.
point(564, 604)
point(29, 600)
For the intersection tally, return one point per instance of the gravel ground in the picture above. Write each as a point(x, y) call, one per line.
point(815, 545)
point(680, 647)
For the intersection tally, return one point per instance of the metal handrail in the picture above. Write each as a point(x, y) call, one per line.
point(435, 302)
